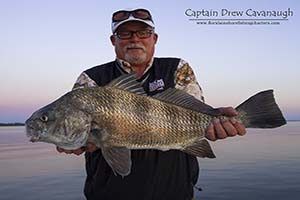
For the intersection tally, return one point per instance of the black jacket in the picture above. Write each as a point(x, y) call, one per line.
point(155, 175)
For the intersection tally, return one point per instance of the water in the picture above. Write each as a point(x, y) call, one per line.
point(264, 164)
point(34, 171)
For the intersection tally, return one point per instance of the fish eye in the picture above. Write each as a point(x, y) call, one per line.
point(44, 118)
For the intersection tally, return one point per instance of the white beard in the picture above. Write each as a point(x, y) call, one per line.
point(135, 60)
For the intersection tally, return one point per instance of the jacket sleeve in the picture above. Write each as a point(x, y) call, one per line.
point(185, 80)
point(84, 81)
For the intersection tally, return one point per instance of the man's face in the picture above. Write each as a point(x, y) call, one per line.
point(134, 50)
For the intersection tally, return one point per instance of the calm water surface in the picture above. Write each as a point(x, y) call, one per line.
point(264, 164)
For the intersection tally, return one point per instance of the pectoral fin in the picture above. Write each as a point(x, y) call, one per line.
point(118, 158)
point(200, 148)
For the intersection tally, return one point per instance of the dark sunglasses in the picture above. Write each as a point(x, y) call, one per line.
point(138, 13)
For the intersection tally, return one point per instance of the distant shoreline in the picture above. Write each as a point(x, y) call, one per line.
point(12, 124)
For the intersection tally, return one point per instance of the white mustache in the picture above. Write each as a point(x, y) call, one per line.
point(135, 46)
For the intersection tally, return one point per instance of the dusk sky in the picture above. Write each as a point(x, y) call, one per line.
point(45, 45)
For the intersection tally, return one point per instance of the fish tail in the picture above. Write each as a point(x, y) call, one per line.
point(260, 111)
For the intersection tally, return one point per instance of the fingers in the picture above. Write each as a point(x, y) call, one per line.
point(229, 128)
point(90, 147)
point(233, 127)
point(210, 133)
point(60, 150)
point(76, 151)
point(220, 132)
point(241, 130)
point(223, 129)
point(68, 151)
point(79, 151)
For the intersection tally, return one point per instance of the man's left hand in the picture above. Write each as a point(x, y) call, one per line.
point(221, 129)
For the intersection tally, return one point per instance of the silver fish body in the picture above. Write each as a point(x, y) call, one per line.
point(120, 117)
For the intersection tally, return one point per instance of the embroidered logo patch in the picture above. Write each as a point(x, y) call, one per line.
point(156, 85)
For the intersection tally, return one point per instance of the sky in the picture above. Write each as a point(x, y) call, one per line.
point(45, 45)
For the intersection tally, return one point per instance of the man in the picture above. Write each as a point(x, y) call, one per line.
point(154, 174)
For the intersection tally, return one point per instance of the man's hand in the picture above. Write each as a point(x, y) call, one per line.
point(90, 147)
point(221, 129)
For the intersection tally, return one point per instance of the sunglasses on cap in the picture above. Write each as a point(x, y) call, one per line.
point(125, 14)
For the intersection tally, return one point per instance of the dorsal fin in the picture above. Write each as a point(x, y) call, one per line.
point(129, 83)
point(183, 99)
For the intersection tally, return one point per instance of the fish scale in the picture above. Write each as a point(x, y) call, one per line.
point(152, 126)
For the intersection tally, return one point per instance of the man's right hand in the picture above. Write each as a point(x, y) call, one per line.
point(90, 147)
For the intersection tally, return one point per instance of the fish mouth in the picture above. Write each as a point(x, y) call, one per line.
point(31, 134)
point(34, 139)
